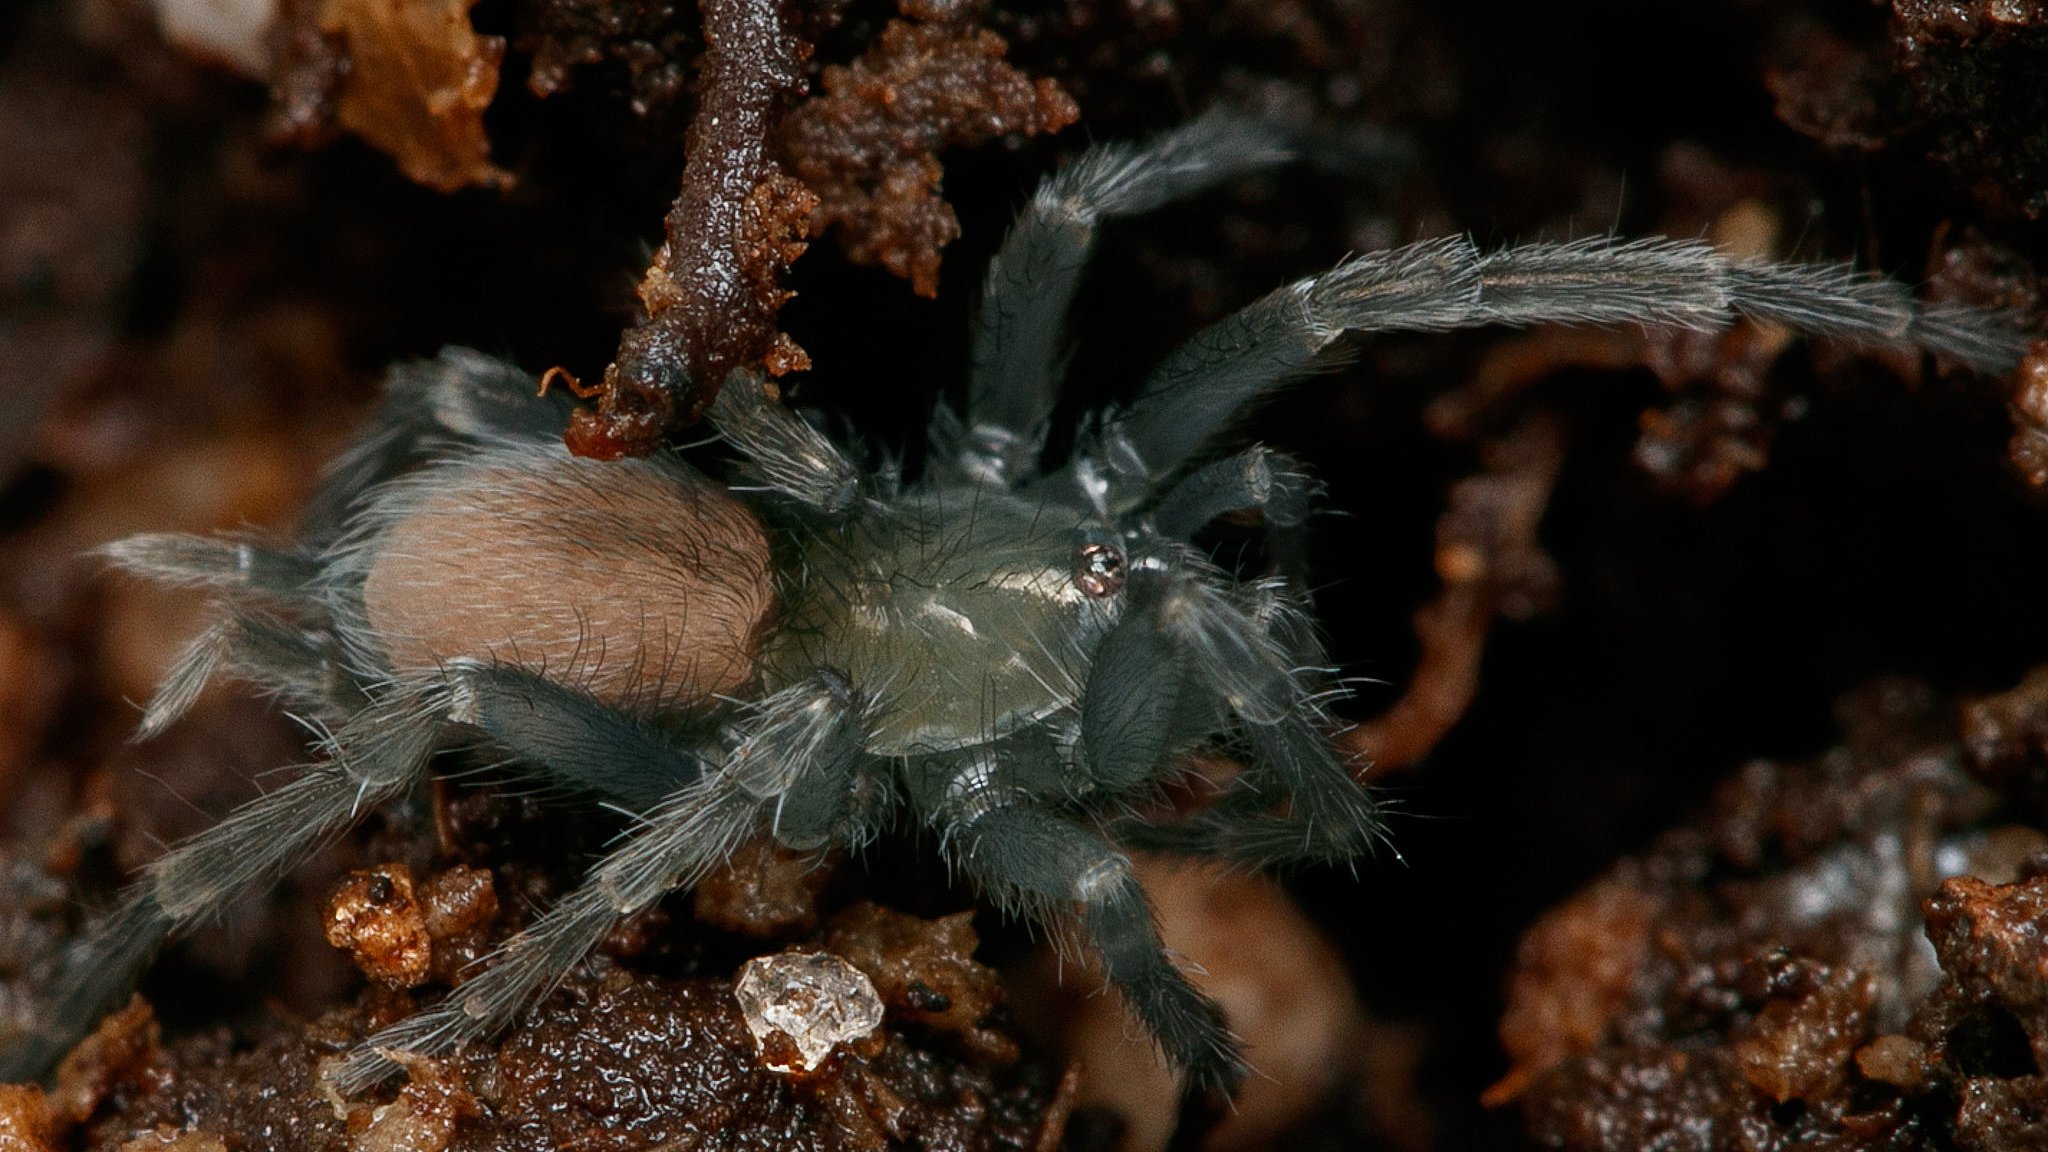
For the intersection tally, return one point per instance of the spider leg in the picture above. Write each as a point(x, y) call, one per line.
point(783, 453)
point(294, 664)
point(256, 588)
point(1439, 285)
point(775, 744)
point(680, 839)
point(1136, 689)
point(178, 560)
point(1032, 279)
point(584, 742)
point(370, 760)
point(462, 395)
point(480, 398)
point(568, 735)
point(1255, 480)
point(1249, 665)
point(1045, 867)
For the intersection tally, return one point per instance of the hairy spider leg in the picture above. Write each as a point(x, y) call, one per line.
point(291, 663)
point(177, 560)
point(1047, 869)
point(460, 396)
point(373, 758)
point(774, 744)
point(1449, 283)
point(1132, 714)
point(568, 735)
point(268, 626)
point(1249, 668)
point(1256, 480)
point(1019, 331)
point(783, 454)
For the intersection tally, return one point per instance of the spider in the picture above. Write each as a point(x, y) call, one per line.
point(1012, 648)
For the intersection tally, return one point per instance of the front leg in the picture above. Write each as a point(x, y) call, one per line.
point(1296, 800)
point(1048, 869)
point(1029, 858)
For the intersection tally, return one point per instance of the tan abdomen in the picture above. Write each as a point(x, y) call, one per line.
point(641, 582)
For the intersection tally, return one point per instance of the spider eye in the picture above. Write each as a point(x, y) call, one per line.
point(1099, 569)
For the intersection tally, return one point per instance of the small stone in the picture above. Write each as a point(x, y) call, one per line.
point(815, 1000)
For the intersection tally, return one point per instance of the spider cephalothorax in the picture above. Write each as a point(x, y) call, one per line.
point(1012, 650)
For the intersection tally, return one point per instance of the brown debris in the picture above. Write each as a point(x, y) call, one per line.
point(1052, 1125)
point(764, 890)
point(619, 1063)
point(1974, 67)
point(25, 1121)
point(1794, 974)
point(33, 675)
point(1963, 72)
point(714, 287)
point(396, 934)
point(309, 64)
point(1813, 1017)
point(689, 1052)
point(459, 906)
point(926, 973)
point(868, 146)
point(1900, 1061)
point(1719, 427)
point(643, 36)
point(72, 204)
point(1835, 91)
point(36, 917)
point(2000, 1115)
point(1969, 269)
point(427, 1115)
point(417, 83)
point(1989, 938)
point(165, 1138)
point(2029, 445)
point(1575, 971)
point(211, 1084)
point(123, 1052)
point(2006, 736)
point(373, 915)
point(1491, 564)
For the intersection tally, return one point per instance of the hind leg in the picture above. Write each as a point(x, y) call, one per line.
point(373, 758)
point(270, 628)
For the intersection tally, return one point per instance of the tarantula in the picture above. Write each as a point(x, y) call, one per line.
point(1011, 647)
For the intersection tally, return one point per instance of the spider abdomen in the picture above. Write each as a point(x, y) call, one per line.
point(641, 581)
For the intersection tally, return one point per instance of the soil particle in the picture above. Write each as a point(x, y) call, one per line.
point(1763, 980)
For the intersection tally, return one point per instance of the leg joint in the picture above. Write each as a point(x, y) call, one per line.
point(1103, 881)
